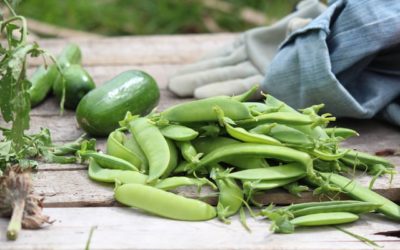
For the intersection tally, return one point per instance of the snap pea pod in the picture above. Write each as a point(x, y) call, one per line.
point(206, 145)
point(251, 186)
point(246, 95)
point(278, 117)
point(258, 150)
point(116, 148)
point(256, 108)
point(314, 132)
point(327, 156)
point(356, 208)
point(361, 158)
point(230, 197)
point(189, 152)
point(300, 206)
point(284, 134)
point(355, 190)
point(202, 110)
point(154, 146)
point(341, 132)
point(324, 219)
point(173, 159)
point(97, 173)
point(288, 171)
point(179, 133)
point(245, 136)
point(108, 161)
point(163, 203)
point(179, 181)
point(133, 146)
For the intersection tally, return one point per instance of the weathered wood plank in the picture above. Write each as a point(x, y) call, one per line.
point(141, 50)
point(74, 188)
point(101, 74)
point(50, 107)
point(123, 228)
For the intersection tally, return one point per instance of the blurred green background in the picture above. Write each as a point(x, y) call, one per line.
point(142, 17)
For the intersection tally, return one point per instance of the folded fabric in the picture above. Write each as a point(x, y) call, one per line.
point(238, 66)
point(348, 58)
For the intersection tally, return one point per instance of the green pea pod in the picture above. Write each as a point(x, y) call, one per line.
point(259, 150)
point(108, 161)
point(179, 181)
point(288, 171)
point(133, 146)
point(206, 145)
point(356, 191)
point(163, 203)
point(97, 173)
point(202, 110)
point(287, 135)
point(306, 205)
point(42, 80)
point(116, 148)
point(245, 136)
point(246, 95)
point(251, 186)
point(173, 159)
point(257, 107)
point(278, 117)
point(154, 146)
point(230, 195)
point(362, 158)
point(356, 208)
point(189, 152)
point(179, 133)
point(324, 219)
point(341, 132)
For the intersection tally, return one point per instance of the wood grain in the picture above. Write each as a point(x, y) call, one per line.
point(72, 188)
point(141, 50)
point(124, 228)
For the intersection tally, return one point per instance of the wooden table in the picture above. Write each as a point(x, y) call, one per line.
point(78, 204)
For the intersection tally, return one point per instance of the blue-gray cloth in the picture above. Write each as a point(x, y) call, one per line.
point(348, 58)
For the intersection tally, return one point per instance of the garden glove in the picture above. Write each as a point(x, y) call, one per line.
point(237, 67)
point(347, 58)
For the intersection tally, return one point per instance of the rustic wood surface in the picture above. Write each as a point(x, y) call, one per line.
point(69, 192)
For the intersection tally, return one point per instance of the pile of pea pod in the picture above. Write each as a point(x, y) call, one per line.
point(239, 148)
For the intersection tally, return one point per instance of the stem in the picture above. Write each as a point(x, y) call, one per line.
point(9, 7)
point(15, 223)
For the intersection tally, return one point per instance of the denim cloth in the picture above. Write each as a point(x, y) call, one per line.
point(348, 58)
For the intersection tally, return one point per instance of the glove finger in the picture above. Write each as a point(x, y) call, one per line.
point(185, 85)
point(225, 50)
point(238, 56)
point(231, 87)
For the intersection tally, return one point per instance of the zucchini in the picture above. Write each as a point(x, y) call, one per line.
point(99, 112)
point(77, 82)
point(43, 78)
